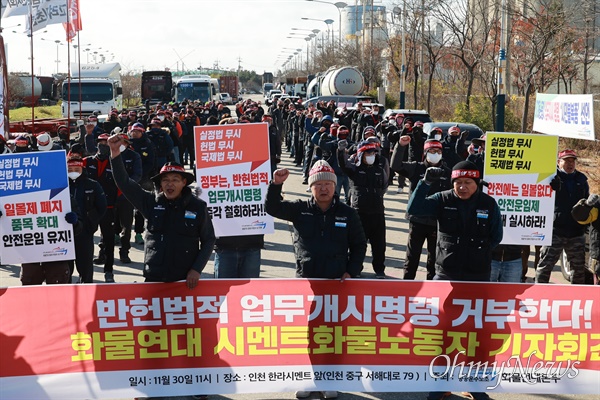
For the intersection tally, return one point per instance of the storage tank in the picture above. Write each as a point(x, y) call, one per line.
point(345, 81)
point(20, 90)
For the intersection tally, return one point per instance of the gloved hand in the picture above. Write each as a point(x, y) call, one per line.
point(433, 174)
point(71, 217)
point(591, 201)
point(342, 144)
point(556, 183)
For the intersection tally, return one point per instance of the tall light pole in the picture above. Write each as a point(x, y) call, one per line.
point(339, 5)
point(501, 84)
point(57, 59)
point(401, 14)
point(327, 22)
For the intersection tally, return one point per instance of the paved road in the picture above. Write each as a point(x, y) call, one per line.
point(278, 262)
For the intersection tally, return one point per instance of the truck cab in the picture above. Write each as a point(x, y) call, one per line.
point(97, 88)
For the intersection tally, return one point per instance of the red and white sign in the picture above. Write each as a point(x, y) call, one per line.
point(275, 335)
point(234, 170)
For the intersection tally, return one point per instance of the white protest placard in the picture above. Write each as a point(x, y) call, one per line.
point(565, 115)
point(234, 170)
point(34, 198)
point(518, 169)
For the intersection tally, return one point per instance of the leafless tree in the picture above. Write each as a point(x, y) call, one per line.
point(468, 23)
point(536, 33)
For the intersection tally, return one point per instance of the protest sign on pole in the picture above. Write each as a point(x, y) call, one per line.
point(34, 198)
point(233, 172)
point(282, 335)
point(565, 115)
point(518, 169)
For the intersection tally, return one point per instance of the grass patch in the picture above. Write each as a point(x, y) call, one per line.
point(24, 113)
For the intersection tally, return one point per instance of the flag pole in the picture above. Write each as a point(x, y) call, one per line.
point(32, 76)
point(69, 39)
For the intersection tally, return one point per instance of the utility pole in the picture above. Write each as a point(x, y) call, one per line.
point(501, 84)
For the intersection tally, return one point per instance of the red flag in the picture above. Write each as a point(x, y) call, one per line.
point(73, 24)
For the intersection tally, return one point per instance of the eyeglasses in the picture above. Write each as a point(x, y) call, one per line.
point(323, 185)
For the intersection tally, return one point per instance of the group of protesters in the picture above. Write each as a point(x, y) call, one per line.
point(365, 151)
point(128, 173)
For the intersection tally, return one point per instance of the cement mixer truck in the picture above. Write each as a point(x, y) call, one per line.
point(344, 81)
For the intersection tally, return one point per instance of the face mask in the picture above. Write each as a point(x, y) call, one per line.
point(161, 117)
point(103, 149)
point(433, 158)
point(122, 148)
point(375, 112)
point(74, 175)
point(437, 137)
point(370, 159)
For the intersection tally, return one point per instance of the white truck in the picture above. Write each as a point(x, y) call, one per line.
point(196, 87)
point(98, 88)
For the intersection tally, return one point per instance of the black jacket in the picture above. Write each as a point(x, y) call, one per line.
point(368, 183)
point(573, 188)
point(89, 197)
point(326, 244)
point(415, 171)
point(180, 234)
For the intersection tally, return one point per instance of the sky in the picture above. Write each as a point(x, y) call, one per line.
point(158, 34)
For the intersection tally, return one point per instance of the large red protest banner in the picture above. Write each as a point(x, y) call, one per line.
point(272, 335)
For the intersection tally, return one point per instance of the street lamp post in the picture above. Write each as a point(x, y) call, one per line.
point(339, 5)
point(57, 59)
point(401, 13)
point(327, 22)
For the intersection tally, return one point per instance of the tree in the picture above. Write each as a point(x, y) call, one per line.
point(469, 26)
point(132, 84)
point(537, 35)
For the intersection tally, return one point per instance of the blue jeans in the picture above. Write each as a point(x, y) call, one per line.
point(342, 182)
point(506, 271)
point(237, 263)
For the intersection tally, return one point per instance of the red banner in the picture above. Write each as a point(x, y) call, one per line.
point(269, 335)
point(73, 24)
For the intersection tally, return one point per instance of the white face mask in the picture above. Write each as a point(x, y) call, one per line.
point(122, 148)
point(370, 159)
point(74, 175)
point(433, 158)
point(437, 137)
point(375, 112)
point(161, 117)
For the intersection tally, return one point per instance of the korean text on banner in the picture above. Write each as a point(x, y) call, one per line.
point(233, 170)
point(276, 335)
point(565, 115)
point(518, 169)
point(34, 198)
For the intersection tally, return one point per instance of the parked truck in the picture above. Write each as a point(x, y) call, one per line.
point(345, 81)
point(196, 87)
point(156, 86)
point(230, 84)
point(267, 82)
point(97, 88)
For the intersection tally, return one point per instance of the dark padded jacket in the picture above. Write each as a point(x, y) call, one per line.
point(573, 188)
point(468, 231)
point(180, 234)
point(326, 244)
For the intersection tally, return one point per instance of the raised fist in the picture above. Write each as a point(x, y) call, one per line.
point(280, 175)
point(433, 174)
point(404, 140)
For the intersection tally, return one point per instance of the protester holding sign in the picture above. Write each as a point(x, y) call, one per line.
point(586, 212)
point(89, 201)
point(567, 234)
